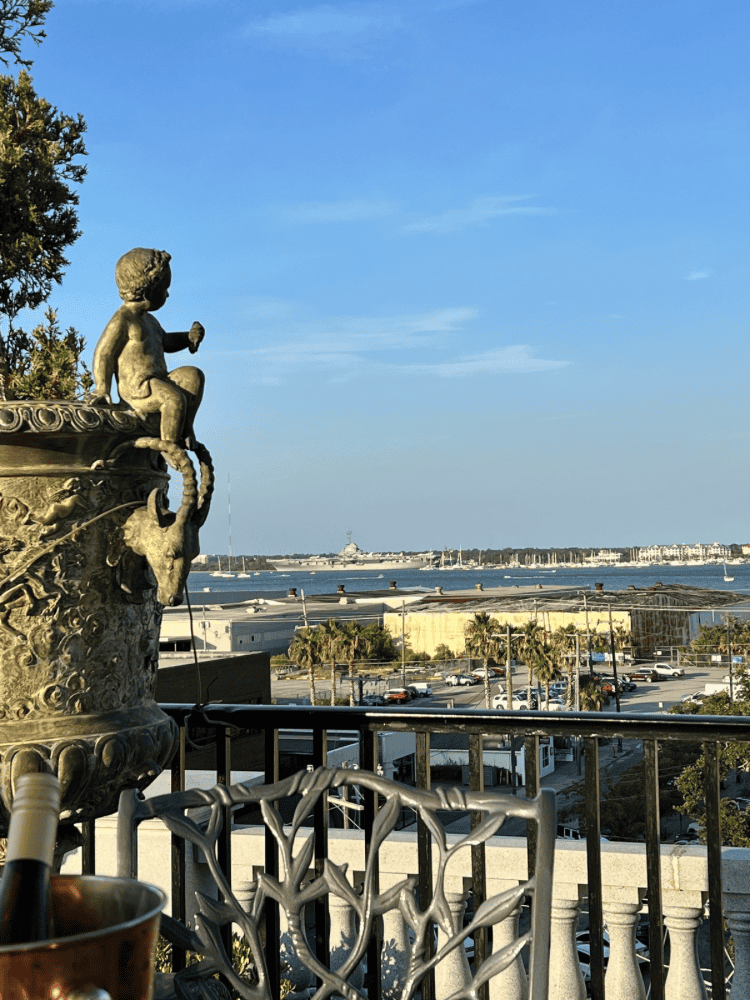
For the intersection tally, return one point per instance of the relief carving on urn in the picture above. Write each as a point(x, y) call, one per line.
point(90, 552)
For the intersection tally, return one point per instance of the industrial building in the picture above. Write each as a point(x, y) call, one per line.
point(655, 616)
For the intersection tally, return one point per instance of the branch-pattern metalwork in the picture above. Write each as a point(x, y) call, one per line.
point(295, 889)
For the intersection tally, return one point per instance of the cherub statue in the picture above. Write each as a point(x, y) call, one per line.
point(133, 344)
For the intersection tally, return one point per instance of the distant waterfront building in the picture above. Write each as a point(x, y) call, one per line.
point(604, 557)
point(685, 553)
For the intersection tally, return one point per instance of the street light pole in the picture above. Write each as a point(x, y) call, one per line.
point(403, 645)
point(588, 633)
point(729, 648)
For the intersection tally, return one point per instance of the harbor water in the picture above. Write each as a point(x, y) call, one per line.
point(710, 577)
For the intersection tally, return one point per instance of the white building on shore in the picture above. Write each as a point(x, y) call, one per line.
point(698, 552)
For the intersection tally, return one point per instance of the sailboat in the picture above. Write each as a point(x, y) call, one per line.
point(727, 577)
point(244, 571)
point(229, 521)
point(219, 571)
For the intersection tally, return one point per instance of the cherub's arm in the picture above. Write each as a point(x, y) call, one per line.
point(107, 352)
point(179, 341)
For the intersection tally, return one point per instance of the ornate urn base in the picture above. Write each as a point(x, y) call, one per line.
point(79, 618)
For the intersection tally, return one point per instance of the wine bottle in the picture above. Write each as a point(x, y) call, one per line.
point(25, 901)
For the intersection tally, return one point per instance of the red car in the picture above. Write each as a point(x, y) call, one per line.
point(649, 676)
point(397, 696)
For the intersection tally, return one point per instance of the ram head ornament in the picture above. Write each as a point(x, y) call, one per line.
point(167, 539)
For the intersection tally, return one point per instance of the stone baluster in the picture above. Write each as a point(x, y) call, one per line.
point(737, 912)
point(565, 976)
point(453, 971)
point(343, 933)
point(394, 960)
point(512, 983)
point(682, 918)
point(623, 979)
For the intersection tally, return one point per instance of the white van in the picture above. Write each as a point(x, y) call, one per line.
point(423, 690)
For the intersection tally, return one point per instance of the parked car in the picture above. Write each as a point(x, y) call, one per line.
point(422, 689)
point(501, 701)
point(461, 680)
point(668, 670)
point(492, 671)
point(397, 696)
point(373, 699)
point(520, 699)
point(649, 676)
point(696, 697)
point(626, 685)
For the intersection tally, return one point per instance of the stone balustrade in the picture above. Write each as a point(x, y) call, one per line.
point(684, 878)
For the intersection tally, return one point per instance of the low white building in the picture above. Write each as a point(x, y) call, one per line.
point(221, 623)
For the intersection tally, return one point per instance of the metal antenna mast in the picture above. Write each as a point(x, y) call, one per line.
point(229, 519)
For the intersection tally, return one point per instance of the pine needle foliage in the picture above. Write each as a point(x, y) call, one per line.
point(51, 366)
point(40, 150)
point(20, 19)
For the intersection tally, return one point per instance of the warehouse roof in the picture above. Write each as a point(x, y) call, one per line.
point(571, 599)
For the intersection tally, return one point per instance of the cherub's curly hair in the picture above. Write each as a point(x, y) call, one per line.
point(138, 270)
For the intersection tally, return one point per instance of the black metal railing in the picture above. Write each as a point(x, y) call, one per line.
point(219, 724)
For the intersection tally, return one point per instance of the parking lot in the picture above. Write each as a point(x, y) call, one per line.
point(658, 696)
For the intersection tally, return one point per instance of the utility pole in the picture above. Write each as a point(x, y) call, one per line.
point(614, 670)
point(508, 670)
point(509, 693)
point(403, 644)
point(578, 698)
point(588, 634)
point(731, 676)
point(614, 659)
point(304, 609)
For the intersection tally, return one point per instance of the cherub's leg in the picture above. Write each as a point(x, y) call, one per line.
point(191, 381)
point(169, 400)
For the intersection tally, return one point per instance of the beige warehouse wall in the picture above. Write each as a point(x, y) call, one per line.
point(425, 631)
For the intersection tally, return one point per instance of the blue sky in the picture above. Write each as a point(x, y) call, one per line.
point(472, 272)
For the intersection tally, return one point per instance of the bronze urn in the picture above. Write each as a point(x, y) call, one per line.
point(89, 553)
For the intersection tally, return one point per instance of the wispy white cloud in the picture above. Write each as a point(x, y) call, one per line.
point(356, 210)
point(697, 275)
point(350, 347)
point(518, 358)
point(348, 336)
point(345, 31)
point(478, 212)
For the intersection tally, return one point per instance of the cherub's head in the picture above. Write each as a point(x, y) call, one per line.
point(139, 272)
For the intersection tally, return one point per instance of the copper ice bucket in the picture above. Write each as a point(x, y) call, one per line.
point(105, 945)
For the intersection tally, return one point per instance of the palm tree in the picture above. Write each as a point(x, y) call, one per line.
point(507, 632)
point(305, 651)
point(350, 639)
point(546, 667)
point(593, 699)
point(483, 639)
point(532, 637)
point(329, 637)
point(564, 641)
